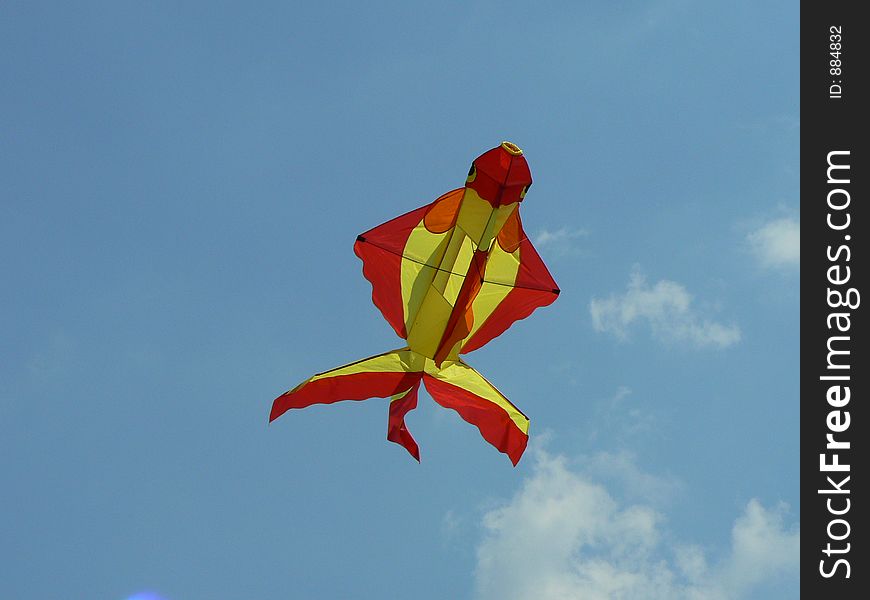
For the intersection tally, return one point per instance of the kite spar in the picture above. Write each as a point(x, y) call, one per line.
point(448, 277)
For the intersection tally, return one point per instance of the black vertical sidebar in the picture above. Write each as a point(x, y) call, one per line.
point(835, 373)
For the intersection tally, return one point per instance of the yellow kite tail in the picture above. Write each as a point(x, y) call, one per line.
point(458, 386)
point(395, 374)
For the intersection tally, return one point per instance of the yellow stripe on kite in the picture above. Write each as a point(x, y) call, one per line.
point(396, 361)
point(500, 267)
point(461, 375)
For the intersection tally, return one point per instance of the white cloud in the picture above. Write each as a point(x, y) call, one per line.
point(760, 546)
point(667, 307)
point(777, 244)
point(565, 537)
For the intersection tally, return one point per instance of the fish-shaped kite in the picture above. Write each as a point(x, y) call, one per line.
point(448, 277)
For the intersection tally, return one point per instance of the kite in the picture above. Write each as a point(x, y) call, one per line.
point(448, 277)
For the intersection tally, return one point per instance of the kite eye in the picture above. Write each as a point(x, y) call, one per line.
point(472, 173)
point(525, 189)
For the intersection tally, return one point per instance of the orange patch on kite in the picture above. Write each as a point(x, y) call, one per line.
point(441, 217)
point(511, 233)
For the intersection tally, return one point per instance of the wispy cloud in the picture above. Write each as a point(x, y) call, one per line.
point(666, 307)
point(777, 244)
point(545, 236)
point(620, 469)
point(55, 357)
point(620, 418)
point(564, 536)
point(561, 241)
point(451, 525)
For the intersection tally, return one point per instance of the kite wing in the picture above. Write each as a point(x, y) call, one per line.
point(408, 248)
point(515, 283)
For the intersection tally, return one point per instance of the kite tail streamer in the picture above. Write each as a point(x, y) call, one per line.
point(400, 405)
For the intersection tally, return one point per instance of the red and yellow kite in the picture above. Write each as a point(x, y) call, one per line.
point(448, 277)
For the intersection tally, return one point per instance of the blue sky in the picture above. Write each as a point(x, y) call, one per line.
point(180, 188)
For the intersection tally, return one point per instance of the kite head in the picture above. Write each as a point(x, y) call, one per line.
point(500, 176)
